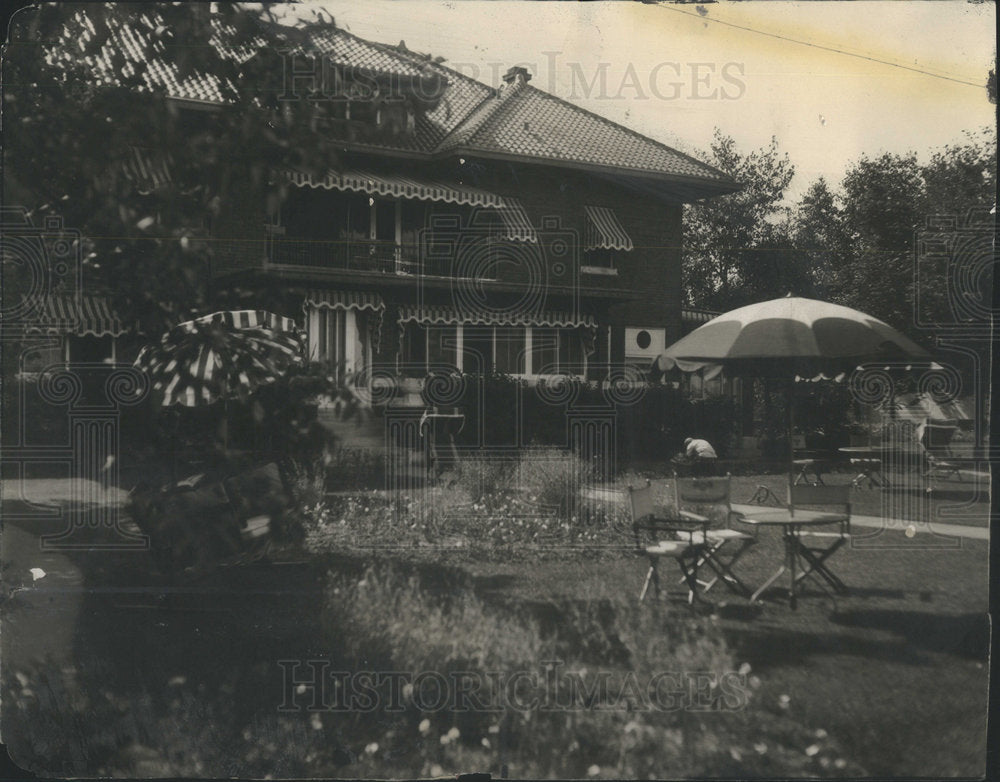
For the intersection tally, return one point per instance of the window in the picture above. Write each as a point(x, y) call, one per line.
point(571, 358)
point(339, 338)
point(442, 345)
point(544, 351)
point(90, 349)
point(557, 351)
point(383, 220)
point(414, 353)
point(601, 259)
point(510, 350)
point(478, 349)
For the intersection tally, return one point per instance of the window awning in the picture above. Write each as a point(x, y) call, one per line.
point(441, 316)
point(344, 300)
point(77, 315)
point(691, 315)
point(395, 186)
point(604, 230)
point(149, 170)
point(429, 315)
point(350, 300)
point(516, 225)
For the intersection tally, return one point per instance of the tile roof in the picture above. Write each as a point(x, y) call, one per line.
point(527, 122)
point(517, 121)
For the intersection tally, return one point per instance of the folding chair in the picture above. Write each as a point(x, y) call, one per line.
point(708, 494)
point(935, 443)
point(835, 504)
point(666, 538)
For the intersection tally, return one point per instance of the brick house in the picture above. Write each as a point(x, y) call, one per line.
point(468, 227)
point(483, 229)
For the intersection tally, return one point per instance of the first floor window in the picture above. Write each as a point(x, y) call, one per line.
point(339, 338)
point(510, 350)
point(89, 349)
point(557, 351)
point(525, 351)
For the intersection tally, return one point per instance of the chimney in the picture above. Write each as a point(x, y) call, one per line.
point(517, 76)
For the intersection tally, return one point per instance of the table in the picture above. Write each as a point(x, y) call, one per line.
point(868, 460)
point(800, 560)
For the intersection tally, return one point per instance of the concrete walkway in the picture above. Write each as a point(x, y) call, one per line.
point(908, 528)
point(911, 528)
point(56, 492)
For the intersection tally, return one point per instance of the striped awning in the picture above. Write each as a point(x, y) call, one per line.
point(395, 186)
point(344, 300)
point(442, 315)
point(148, 169)
point(604, 230)
point(350, 300)
point(516, 225)
point(79, 315)
point(692, 315)
point(429, 315)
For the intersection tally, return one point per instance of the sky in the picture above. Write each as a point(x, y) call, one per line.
point(832, 81)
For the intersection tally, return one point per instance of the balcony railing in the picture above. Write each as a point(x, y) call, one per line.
point(385, 257)
point(353, 255)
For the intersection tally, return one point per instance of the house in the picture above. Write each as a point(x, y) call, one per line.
point(486, 229)
point(464, 228)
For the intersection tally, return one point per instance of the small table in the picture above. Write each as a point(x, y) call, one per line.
point(868, 460)
point(800, 560)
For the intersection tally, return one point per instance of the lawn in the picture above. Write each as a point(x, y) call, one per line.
point(144, 676)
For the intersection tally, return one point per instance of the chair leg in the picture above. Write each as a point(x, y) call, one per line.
point(656, 580)
point(645, 585)
point(816, 559)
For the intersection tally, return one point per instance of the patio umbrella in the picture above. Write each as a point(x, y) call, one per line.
point(663, 364)
point(222, 356)
point(793, 336)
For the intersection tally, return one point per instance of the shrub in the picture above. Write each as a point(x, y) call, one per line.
point(580, 666)
point(587, 707)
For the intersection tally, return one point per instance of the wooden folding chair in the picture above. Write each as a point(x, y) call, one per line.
point(672, 538)
point(835, 504)
point(935, 443)
point(706, 495)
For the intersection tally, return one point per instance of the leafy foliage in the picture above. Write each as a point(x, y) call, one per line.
point(72, 132)
point(853, 244)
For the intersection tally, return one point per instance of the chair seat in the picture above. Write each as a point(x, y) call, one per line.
point(720, 534)
point(668, 548)
point(817, 534)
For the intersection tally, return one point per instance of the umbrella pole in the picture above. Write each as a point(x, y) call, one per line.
point(789, 423)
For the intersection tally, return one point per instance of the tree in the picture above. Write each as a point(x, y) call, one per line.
point(735, 246)
point(862, 240)
point(77, 107)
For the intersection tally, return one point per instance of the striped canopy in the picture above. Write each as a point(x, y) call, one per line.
point(604, 230)
point(793, 335)
point(79, 314)
point(224, 355)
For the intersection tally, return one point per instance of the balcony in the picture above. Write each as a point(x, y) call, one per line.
point(434, 259)
point(385, 257)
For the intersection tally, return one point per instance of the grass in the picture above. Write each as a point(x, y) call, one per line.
point(157, 679)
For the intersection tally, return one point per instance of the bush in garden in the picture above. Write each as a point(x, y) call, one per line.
point(355, 468)
point(588, 709)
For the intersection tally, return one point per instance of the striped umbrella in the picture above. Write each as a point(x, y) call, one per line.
point(793, 336)
point(222, 356)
